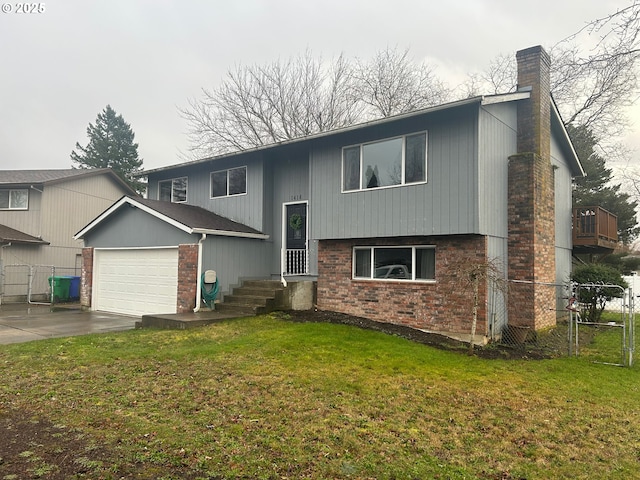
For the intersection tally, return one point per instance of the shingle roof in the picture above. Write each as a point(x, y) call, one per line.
point(30, 177)
point(11, 235)
point(37, 176)
point(188, 218)
point(196, 218)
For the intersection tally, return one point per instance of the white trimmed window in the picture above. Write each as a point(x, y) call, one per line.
point(225, 183)
point(414, 263)
point(174, 190)
point(14, 199)
point(386, 163)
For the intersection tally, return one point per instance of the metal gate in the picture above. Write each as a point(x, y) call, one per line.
point(33, 284)
point(611, 343)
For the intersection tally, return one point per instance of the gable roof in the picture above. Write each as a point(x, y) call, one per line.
point(49, 177)
point(188, 218)
point(11, 235)
point(556, 124)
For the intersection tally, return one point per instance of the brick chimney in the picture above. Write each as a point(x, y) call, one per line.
point(531, 205)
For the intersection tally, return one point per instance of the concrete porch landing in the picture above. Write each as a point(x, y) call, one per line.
point(252, 297)
point(183, 321)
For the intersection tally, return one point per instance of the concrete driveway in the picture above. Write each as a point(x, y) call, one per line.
point(23, 322)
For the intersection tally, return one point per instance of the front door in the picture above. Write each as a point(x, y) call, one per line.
point(295, 261)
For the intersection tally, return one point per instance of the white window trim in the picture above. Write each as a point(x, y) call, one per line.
point(413, 278)
point(16, 190)
point(404, 142)
point(246, 175)
point(185, 178)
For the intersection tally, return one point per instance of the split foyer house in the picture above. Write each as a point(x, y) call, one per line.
point(40, 211)
point(385, 217)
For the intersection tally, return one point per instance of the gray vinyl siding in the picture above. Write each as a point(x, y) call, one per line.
point(446, 204)
point(235, 259)
point(247, 209)
point(132, 227)
point(498, 141)
point(290, 184)
point(563, 189)
point(497, 255)
point(563, 207)
point(231, 257)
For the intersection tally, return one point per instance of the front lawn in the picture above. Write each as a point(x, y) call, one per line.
point(268, 398)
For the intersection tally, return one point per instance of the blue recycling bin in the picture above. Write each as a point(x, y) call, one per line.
point(74, 288)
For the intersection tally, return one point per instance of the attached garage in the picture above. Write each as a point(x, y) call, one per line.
point(145, 257)
point(135, 281)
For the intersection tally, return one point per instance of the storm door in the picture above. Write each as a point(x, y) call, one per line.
point(295, 259)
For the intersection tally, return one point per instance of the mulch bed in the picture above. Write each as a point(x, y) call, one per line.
point(526, 351)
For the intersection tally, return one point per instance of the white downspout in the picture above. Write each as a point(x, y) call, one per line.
point(199, 279)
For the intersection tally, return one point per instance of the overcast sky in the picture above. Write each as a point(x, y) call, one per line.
point(145, 58)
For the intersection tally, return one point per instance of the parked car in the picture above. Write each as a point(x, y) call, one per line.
point(393, 271)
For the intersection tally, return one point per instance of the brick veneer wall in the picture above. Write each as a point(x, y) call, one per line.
point(444, 305)
point(534, 115)
point(531, 208)
point(86, 279)
point(187, 277)
point(531, 242)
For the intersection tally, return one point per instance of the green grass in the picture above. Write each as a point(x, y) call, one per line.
point(607, 343)
point(267, 398)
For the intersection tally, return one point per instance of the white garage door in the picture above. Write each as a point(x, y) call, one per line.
point(135, 281)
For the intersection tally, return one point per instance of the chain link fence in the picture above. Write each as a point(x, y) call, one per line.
point(609, 339)
point(47, 284)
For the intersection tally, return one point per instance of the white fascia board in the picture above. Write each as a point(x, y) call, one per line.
point(164, 218)
point(505, 97)
point(319, 135)
point(127, 200)
point(565, 137)
point(226, 233)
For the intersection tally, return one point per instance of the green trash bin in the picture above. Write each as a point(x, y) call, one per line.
point(60, 288)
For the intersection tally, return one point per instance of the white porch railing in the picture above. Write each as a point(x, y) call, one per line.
point(295, 261)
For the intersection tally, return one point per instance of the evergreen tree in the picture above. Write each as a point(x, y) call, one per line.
point(111, 145)
point(596, 188)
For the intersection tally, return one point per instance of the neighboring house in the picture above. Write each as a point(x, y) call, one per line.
point(386, 216)
point(40, 210)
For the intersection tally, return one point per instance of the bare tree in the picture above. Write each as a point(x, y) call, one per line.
point(592, 86)
point(499, 77)
point(476, 276)
point(259, 105)
point(392, 83)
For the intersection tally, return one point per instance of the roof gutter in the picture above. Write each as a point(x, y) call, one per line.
point(338, 131)
point(227, 233)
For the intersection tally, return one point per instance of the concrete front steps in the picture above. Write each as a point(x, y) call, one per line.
point(252, 297)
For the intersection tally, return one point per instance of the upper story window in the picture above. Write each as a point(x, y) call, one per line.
point(416, 263)
point(17, 199)
point(229, 182)
point(174, 190)
point(395, 161)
